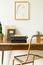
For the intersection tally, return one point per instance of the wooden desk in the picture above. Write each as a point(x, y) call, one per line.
point(18, 46)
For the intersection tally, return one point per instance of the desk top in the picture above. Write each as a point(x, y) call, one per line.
point(6, 43)
point(14, 43)
point(20, 46)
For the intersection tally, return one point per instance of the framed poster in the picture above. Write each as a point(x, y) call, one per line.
point(22, 10)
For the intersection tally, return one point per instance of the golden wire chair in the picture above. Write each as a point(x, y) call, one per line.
point(26, 58)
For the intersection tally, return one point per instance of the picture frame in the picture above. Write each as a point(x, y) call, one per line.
point(22, 10)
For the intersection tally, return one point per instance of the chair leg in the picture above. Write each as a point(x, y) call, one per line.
point(21, 64)
point(13, 62)
point(33, 60)
point(33, 63)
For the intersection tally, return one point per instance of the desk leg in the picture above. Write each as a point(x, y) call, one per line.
point(2, 56)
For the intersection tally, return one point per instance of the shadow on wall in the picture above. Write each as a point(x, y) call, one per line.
point(18, 32)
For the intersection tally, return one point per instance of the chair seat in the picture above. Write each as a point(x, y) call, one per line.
point(22, 58)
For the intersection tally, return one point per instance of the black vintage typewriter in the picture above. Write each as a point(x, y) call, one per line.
point(16, 38)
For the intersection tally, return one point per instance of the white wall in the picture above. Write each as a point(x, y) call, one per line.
point(26, 27)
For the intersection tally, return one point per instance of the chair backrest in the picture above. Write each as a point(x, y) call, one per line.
point(28, 49)
point(39, 38)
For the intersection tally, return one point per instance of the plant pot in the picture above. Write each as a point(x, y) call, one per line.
point(38, 38)
point(1, 38)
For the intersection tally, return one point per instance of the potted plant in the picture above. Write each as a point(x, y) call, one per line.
point(1, 35)
point(0, 28)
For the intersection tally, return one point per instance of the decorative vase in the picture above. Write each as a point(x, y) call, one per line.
point(38, 38)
